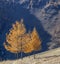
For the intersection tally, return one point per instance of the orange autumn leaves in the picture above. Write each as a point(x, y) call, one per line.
point(19, 41)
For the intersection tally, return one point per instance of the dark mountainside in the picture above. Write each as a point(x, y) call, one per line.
point(44, 18)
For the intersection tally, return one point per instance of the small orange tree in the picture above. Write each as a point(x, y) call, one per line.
point(13, 39)
point(19, 41)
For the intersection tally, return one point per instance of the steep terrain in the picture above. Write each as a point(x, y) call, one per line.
point(47, 11)
point(42, 14)
point(50, 19)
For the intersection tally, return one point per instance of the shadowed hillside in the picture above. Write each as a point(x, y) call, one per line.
point(9, 13)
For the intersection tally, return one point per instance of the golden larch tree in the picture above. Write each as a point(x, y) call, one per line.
point(18, 40)
point(36, 41)
point(14, 38)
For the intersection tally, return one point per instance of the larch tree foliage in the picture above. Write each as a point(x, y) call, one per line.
point(13, 39)
point(36, 41)
point(18, 40)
